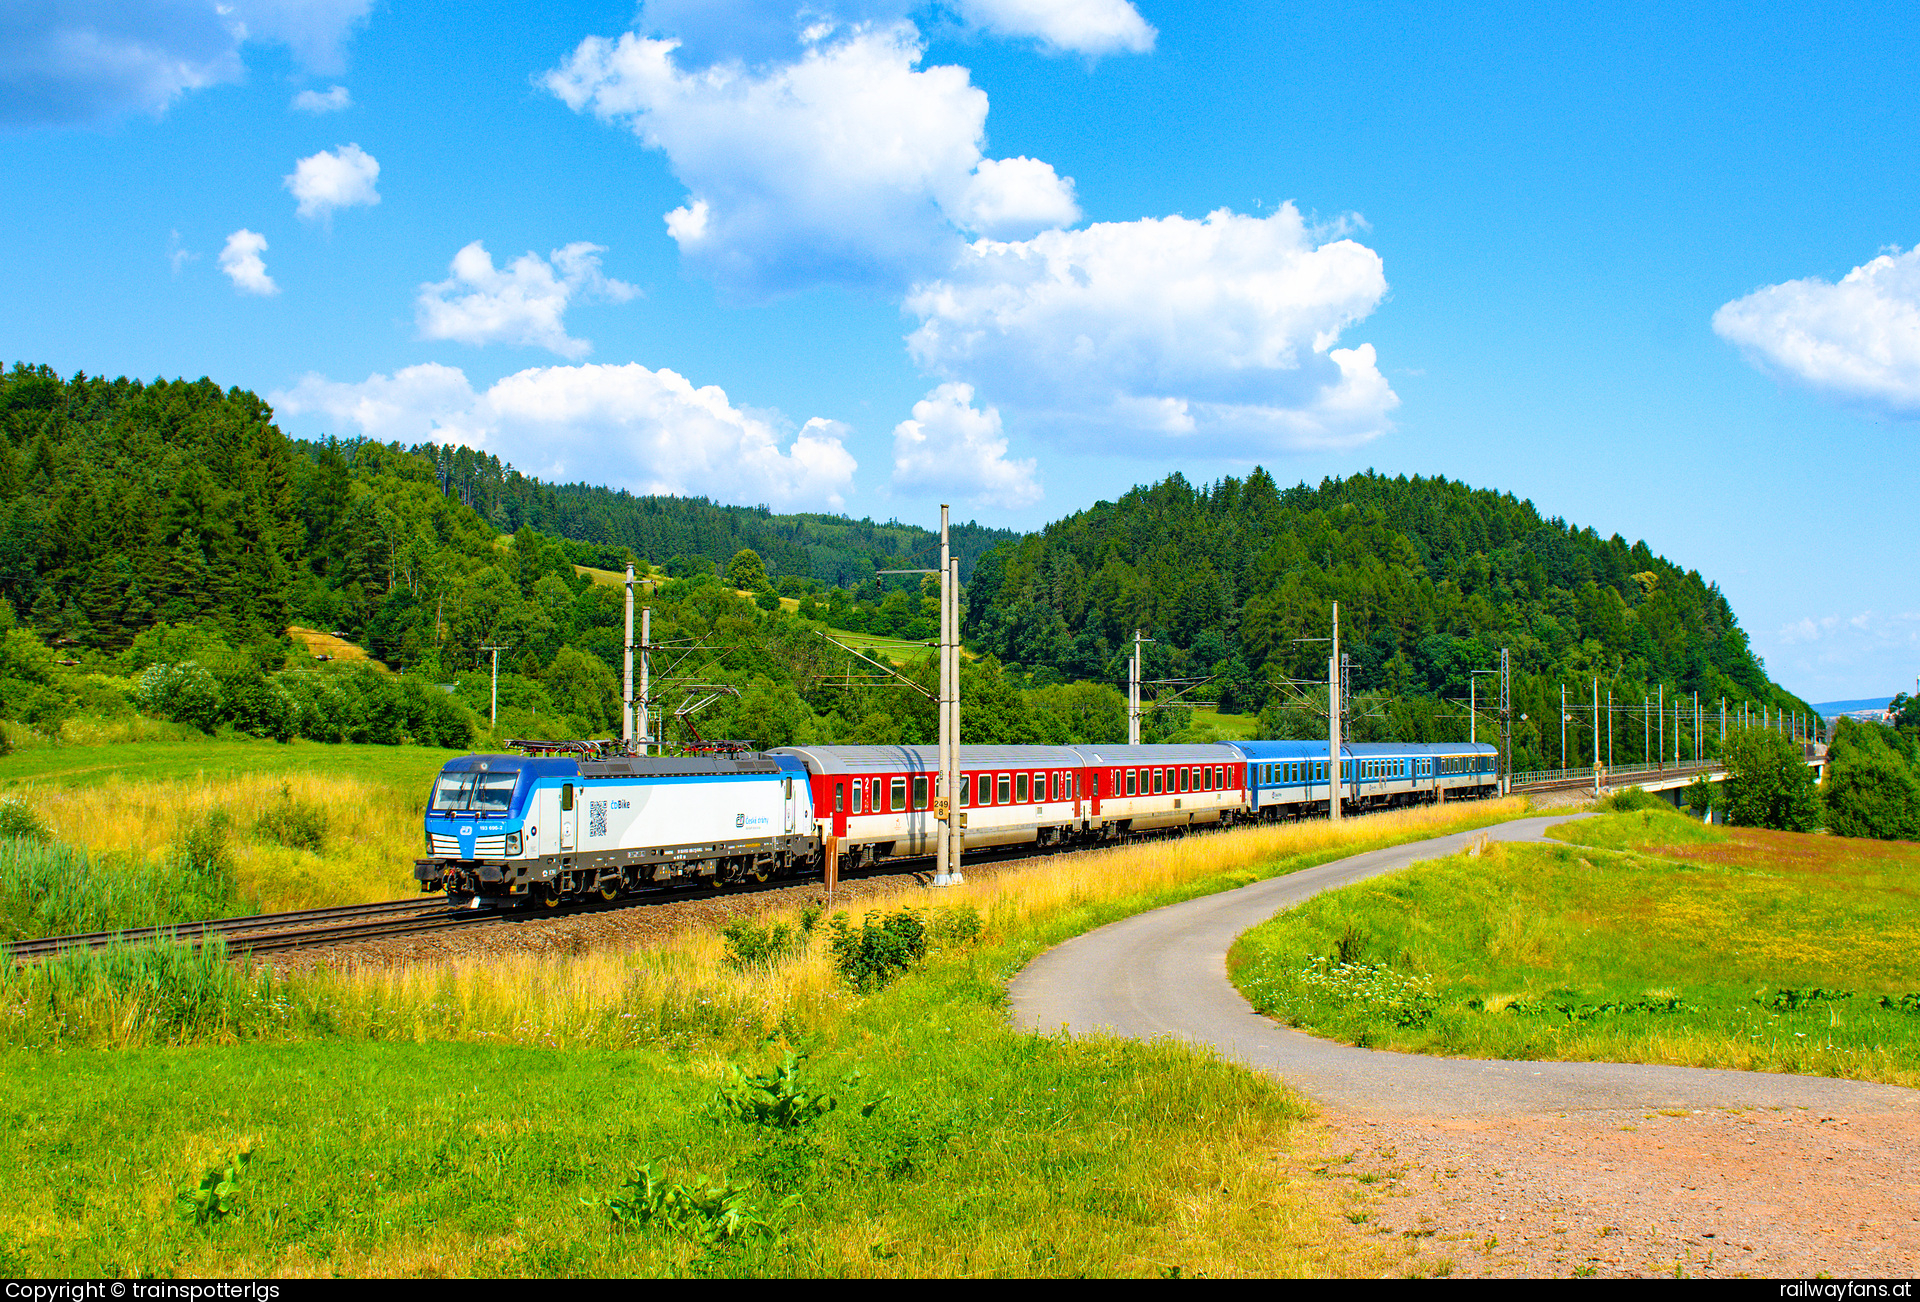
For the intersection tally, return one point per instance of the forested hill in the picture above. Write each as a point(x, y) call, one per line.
point(839, 552)
point(1433, 579)
point(126, 504)
point(173, 522)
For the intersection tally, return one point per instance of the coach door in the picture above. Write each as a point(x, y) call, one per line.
point(567, 815)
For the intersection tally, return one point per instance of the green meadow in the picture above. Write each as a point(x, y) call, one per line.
point(1645, 937)
point(638, 1112)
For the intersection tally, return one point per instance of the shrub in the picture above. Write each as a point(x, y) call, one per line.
point(752, 945)
point(1768, 782)
point(884, 946)
point(709, 1212)
point(18, 822)
point(955, 926)
point(256, 705)
point(203, 869)
point(185, 693)
point(296, 824)
point(1633, 798)
point(1872, 794)
point(1700, 795)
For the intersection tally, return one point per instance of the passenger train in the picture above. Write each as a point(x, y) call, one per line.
point(530, 828)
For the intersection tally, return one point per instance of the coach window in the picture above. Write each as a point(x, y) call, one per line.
point(1020, 789)
point(897, 797)
point(966, 790)
point(1133, 782)
point(919, 793)
point(1207, 773)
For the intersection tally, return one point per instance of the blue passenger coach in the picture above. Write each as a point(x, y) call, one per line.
point(1289, 779)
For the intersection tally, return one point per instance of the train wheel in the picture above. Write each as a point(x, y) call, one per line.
point(549, 897)
point(610, 889)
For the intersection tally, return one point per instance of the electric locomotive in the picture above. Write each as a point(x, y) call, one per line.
point(516, 828)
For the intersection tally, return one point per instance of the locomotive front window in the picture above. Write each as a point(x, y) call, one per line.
point(480, 793)
point(450, 792)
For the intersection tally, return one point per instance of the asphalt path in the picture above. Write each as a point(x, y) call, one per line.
point(1164, 973)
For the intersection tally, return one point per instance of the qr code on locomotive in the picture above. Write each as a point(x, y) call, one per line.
point(596, 818)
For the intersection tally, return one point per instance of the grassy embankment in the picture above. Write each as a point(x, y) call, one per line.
point(298, 826)
point(473, 1117)
point(1647, 938)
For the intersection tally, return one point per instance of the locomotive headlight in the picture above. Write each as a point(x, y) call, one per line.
point(513, 843)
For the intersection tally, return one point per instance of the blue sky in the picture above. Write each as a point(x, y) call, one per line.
point(1650, 269)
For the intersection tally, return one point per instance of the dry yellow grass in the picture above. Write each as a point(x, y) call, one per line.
point(685, 984)
point(372, 831)
point(320, 644)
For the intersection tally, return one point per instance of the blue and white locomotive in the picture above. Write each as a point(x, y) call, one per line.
point(524, 828)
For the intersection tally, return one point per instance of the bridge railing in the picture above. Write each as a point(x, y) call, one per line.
point(1618, 775)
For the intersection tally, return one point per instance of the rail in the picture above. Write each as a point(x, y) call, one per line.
point(1609, 776)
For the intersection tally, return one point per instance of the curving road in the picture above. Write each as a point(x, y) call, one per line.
point(1165, 973)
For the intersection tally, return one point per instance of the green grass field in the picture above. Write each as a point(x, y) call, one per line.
point(477, 1117)
point(1232, 727)
point(1646, 938)
point(166, 761)
point(895, 650)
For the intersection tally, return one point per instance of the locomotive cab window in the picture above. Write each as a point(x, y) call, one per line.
point(566, 797)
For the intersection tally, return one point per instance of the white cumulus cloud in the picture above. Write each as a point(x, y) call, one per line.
point(952, 447)
point(1857, 342)
point(69, 62)
point(851, 165)
point(761, 31)
point(243, 265)
point(331, 101)
point(1220, 330)
point(1080, 26)
point(626, 426)
point(330, 179)
point(522, 303)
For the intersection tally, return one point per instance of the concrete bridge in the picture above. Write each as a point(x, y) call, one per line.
point(1669, 780)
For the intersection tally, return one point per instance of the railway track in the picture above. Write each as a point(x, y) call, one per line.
point(262, 932)
point(269, 933)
